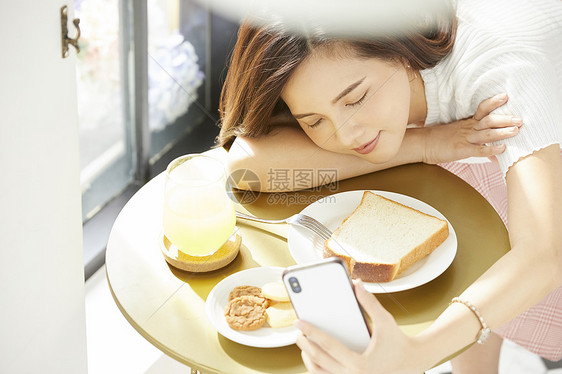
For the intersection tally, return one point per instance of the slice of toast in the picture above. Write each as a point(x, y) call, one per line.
point(382, 238)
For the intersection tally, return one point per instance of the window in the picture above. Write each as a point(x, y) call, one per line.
point(116, 142)
point(143, 79)
point(177, 51)
point(105, 139)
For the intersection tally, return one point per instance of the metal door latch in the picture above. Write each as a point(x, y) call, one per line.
point(64, 32)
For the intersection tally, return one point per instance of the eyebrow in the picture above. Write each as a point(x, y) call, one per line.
point(346, 91)
point(350, 88)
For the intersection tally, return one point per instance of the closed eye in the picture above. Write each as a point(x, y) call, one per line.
point(358, 102)
point(315, 124)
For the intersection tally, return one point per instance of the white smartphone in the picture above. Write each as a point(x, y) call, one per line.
point(322, 295)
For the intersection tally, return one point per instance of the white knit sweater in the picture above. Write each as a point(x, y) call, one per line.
point(504, 46)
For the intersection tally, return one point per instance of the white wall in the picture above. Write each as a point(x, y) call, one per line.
point(42, 324)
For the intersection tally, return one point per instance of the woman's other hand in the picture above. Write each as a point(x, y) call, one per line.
point(471, 137)
point(389, 351)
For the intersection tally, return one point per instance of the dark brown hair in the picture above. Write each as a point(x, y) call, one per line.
point(265, 57)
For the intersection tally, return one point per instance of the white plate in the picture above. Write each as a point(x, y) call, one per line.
point(331, 210)
point(265, 337)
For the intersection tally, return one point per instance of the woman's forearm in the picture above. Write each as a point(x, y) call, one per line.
point(500, 295)
point(522, 277)
point(288, 150)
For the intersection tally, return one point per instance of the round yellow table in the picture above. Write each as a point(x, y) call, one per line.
point(167, 306)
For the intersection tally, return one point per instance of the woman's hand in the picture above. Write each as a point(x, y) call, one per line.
point(389, 351)
point(471, 137)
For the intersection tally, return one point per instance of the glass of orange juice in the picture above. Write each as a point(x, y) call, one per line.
point(198, 216)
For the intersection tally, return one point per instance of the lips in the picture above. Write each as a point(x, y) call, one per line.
point(368, 147)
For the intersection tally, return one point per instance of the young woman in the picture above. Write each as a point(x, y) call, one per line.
point(358, 106)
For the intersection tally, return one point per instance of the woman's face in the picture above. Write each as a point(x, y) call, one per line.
point(351, 105)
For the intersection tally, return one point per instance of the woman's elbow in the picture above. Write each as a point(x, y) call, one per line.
point(550, 253)
point(244, 170)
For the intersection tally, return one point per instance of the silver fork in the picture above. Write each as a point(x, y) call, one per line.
point(297, 220)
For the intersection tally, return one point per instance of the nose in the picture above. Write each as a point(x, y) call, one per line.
point(349, 133)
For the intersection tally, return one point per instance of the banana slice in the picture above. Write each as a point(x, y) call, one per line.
point(281, 314)
point(275, 291)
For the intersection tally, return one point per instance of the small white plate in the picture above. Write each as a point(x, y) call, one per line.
point(265, 337)
point(331, 210)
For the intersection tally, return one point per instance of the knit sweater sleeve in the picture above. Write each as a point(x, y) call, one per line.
point(534, 95)
point(504, 46)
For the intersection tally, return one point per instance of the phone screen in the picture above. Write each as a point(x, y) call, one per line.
point(322, 295)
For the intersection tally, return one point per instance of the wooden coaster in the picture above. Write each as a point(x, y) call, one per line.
point(200, 264)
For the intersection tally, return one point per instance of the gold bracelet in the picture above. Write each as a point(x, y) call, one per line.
point(485, 332)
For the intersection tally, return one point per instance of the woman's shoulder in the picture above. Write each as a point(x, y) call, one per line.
point(504, 37)
point(515, 22)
